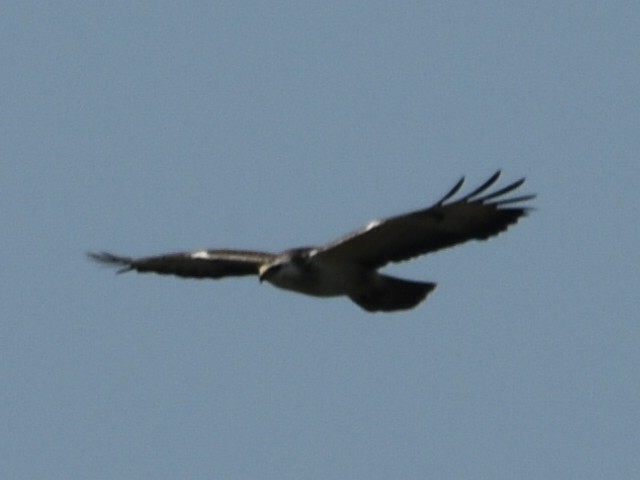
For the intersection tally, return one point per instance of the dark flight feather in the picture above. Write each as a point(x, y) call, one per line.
point(443, 225)
point(197, 264)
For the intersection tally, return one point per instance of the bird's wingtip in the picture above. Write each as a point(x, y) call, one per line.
point(110, 259)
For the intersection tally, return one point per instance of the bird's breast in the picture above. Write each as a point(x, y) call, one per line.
point(317, 279)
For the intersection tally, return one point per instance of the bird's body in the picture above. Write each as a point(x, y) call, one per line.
point(349, 266)
point(303, 275)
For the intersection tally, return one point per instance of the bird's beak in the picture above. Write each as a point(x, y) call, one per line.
point(262, 271)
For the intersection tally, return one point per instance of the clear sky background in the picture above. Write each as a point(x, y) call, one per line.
point(147, 127)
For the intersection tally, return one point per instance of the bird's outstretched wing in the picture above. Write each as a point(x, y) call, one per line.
point(475, 216)
point(197, 264)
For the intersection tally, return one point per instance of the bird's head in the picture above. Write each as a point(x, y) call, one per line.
point(290, 264)
point(268, 270)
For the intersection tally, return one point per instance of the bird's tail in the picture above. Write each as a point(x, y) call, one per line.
point(388, 294)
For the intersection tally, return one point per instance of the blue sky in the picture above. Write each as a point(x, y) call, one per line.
point(147, 127)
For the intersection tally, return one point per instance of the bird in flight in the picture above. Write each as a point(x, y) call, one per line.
point(349, 266)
